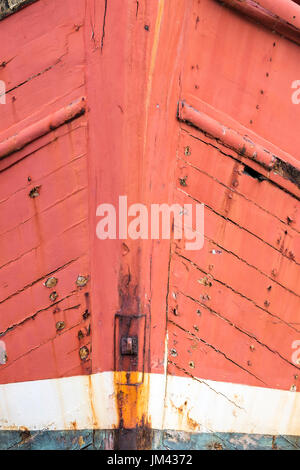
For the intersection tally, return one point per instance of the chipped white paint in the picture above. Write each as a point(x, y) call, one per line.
point(191, 405)
point(225, 407)
point(3, 355)
point(57, 404)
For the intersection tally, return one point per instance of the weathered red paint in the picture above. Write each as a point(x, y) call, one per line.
point(42, 127)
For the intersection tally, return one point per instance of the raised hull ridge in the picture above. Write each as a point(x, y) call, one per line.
point(126, 340)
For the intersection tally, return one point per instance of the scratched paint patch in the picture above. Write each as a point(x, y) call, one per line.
point(3, 354)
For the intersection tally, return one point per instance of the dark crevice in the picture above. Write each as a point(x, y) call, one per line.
point(253, 173)
point(103, 26)
point(223, 152)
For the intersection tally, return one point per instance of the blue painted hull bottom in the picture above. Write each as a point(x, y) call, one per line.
point(156, 440)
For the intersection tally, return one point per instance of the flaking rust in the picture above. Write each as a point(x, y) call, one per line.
point(51, 282)
point(288, 171)
point(53, 296)
point(134, 428)
point(84, 353)
point(35, 192)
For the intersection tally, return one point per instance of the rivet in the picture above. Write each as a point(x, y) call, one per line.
point(53, 296)
point(60, 325)
point(84, 353)
point(51, 282)
point(34, 192)
point(182, 181)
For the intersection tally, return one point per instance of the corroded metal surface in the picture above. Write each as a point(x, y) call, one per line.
point(159, 440)
point(281, 16)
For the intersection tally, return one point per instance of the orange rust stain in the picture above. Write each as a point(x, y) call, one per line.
point(184, 418)
point(215, 446)
point(25, 431)
point(274, 445)
point(74, 425)
point(132, 400)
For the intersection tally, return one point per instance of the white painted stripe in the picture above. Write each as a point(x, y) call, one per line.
point(191, 405)
point(226, 407)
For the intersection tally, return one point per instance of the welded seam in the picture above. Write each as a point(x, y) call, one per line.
point(207, 384)
point(240, 227)
point(216, 350)
point(252, 336)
